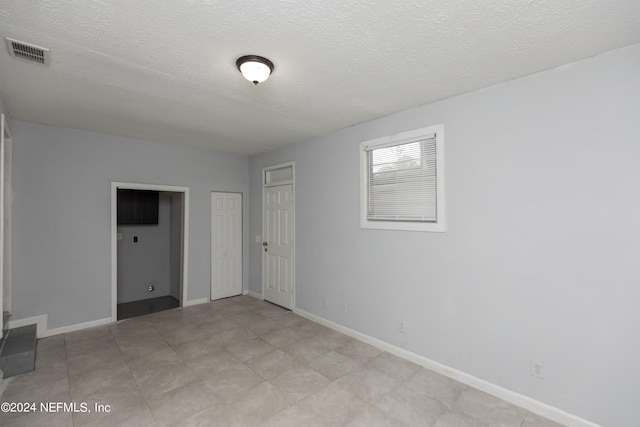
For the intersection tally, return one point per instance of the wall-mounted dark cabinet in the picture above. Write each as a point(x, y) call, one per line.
point(137, 207)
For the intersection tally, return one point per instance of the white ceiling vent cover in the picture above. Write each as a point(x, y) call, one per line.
point(28, 51)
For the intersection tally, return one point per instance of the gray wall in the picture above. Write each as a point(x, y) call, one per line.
point(540, 260)
point(147, 261)
point(62, 192)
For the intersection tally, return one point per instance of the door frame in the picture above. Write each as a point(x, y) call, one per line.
point(114, 238)
point(5, 219)
point(267, 183)
point(211, 271)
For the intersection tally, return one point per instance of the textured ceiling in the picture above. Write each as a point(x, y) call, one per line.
point(165, 70)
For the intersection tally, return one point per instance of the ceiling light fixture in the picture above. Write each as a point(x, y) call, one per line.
point(255, 68)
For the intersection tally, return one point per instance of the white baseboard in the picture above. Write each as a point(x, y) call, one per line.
point(518, 399)
point(39, 321)
point(254, 294)
point(42, 330)
point(77, 327)
point(532, 405)
point(195, 302)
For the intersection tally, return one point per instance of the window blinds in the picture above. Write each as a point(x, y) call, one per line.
point(401, 181)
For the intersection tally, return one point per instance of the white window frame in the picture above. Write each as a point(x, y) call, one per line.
point(437, 226)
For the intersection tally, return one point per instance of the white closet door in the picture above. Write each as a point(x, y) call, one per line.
point(226, 245)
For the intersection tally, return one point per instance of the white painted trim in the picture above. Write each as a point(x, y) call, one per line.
point(77, 327)
point(185, 248)
point(42, 330)
point(253, 294)
point(7, 276)
point(275, 167)
point(114, 251)
point(195, 302)
point(532, 405)
point(6, 196)
point(114, 242)
point(39, 321)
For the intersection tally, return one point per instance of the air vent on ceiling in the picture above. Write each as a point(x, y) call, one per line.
point(28, 51)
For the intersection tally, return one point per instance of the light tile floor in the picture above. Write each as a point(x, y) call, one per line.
point(241, 362)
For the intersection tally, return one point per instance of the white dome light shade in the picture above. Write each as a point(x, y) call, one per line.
point(255, 68)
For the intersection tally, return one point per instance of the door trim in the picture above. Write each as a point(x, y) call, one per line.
point(5, 220)
point(271, 183)
point(114, 235)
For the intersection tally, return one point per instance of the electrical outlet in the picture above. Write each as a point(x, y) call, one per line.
point(537, 370)
point(344, 308)
point(324, 303)
point(402, 327)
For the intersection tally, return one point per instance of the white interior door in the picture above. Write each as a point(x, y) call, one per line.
point(277, 242)
point(226, 245)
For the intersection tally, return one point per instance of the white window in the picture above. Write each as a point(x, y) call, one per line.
point(402, 181)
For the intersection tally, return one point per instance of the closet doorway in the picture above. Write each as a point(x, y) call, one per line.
point(149, 241)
